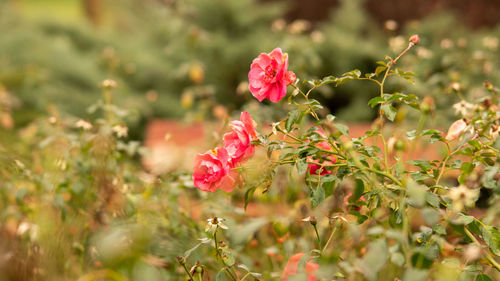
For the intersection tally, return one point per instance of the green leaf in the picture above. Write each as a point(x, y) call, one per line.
point(416, 194)
point(330, 117)
point(398, 259)
point(432, 199)
point(375, 101)
point(463, 219)
point(389, 111)
point(375, 259)
point(412, 274)
point(293, 117)
point(301, 165)
point(359, 189)
point(328, 183)
point(380, 69)
point(317, 196)
point(491, 237)
point(422, 164)
point(227, 256)
point(483, 277)
point(254, 274)
point(342, 128)
point(248, 195)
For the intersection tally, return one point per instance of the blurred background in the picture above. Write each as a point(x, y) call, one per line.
point(181, 59)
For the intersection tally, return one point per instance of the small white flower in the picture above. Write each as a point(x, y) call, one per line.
point(120, 131)
point(83, 124)
point(461, 196)
point(464, 108)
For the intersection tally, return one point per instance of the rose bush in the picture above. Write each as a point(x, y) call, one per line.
point(387, 190)
point(305, 197)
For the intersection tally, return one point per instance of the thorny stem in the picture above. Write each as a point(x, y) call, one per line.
point(187, 271)
point(448, 156)
point(488, 256)
point(279, 129)
point(389, 176)
point(382, 83)
point(334, 230)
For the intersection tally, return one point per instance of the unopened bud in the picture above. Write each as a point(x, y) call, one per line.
point(348, 146)
point(427, 104)
point(400, 145)
point(414, 39)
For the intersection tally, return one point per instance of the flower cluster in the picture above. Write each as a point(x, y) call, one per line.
point(215, 168)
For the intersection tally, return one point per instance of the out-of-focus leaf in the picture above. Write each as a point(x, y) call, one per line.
point(483, 277)
point(317, 196)
point(389, 111)
point(375, 259)
point(491, 237)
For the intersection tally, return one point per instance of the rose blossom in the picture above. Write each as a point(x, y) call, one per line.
point(212, 171)
point(292, 267)
point(237, 142)
point(315, 169)
point(269, 77)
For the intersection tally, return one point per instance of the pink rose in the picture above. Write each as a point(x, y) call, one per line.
point(237, 142)
point(269, 77)
point(212, 171)
point(456, 129)
point(315, 169)
point(293, 264)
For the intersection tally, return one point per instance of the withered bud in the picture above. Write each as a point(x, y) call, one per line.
point(488, 85)
point(197, 268)
point(181, 260)
point(313, 221)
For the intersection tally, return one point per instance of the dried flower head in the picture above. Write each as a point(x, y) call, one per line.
point(214, 223)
